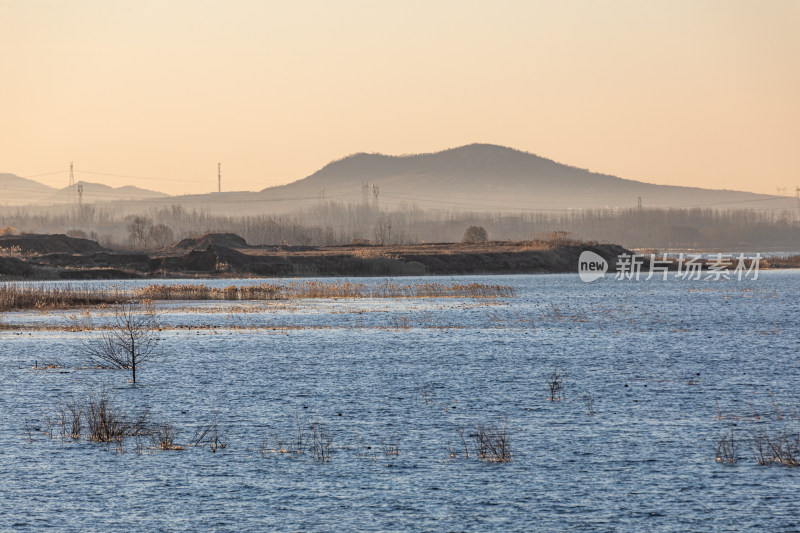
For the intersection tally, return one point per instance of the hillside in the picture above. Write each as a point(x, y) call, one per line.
point(23, 191)
point(476, 177)
point(484, 176)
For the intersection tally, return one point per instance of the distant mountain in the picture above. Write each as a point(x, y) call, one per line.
point(96, 192)
point(490, 177)
point(22, 191)
point(17, 191)
point(476, 177)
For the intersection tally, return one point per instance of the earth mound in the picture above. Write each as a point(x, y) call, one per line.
point(228, 240)
point(50, 244)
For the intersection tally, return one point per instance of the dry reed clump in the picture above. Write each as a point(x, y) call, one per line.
point(10, 251)
point(392, 289)
point(322, 289)
point(373, 253)
point(20, 296)
point(15, 297)
point(266, 291)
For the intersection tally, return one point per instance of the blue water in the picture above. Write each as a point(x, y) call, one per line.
point(658, 357)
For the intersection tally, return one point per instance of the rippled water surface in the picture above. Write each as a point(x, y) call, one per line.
point(671, 366)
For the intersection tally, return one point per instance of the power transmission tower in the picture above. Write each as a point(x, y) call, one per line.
point(639, 203)
point(219, 177)
point(71, 176)
point(797, 195)
point(80, 195)
point(375, 192)
point(321, 194)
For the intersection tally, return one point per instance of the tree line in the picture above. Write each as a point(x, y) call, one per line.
point(333, 223)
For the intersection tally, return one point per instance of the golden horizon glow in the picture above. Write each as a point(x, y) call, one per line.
point(674, 92)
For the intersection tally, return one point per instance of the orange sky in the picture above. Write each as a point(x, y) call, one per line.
point(703, 93)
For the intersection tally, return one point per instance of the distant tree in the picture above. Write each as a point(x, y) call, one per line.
point(139, 231)
point(160, 235)
point(475, 234)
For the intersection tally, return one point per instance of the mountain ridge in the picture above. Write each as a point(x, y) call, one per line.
point(478, 177)
point(18, 191)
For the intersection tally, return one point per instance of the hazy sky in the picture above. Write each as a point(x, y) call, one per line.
point(703, 93)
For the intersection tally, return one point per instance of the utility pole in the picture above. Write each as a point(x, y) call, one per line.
point(219, 177)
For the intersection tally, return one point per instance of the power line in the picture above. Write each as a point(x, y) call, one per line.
point(44, 174)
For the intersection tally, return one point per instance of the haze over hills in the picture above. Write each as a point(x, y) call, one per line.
point(476, 177)
point(495, 177)
point(16, 191)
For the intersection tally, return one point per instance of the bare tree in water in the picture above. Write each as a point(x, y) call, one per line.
point(128, 340)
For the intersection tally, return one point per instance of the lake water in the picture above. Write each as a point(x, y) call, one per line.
point(672, 366)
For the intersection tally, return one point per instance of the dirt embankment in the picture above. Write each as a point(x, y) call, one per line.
point(225, 255)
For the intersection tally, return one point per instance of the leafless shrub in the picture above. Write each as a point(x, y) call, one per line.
point(74, 415)
point(460, 432)
point(555, 385)
point(320, 442)
point(779, 448)
point(727, 448)
point(209, 434)
point(454, 453)
point(390, 449)
point(163, 437)
point(297, 444)
point(107, 423)
point(492, 442)
point(130, 340)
